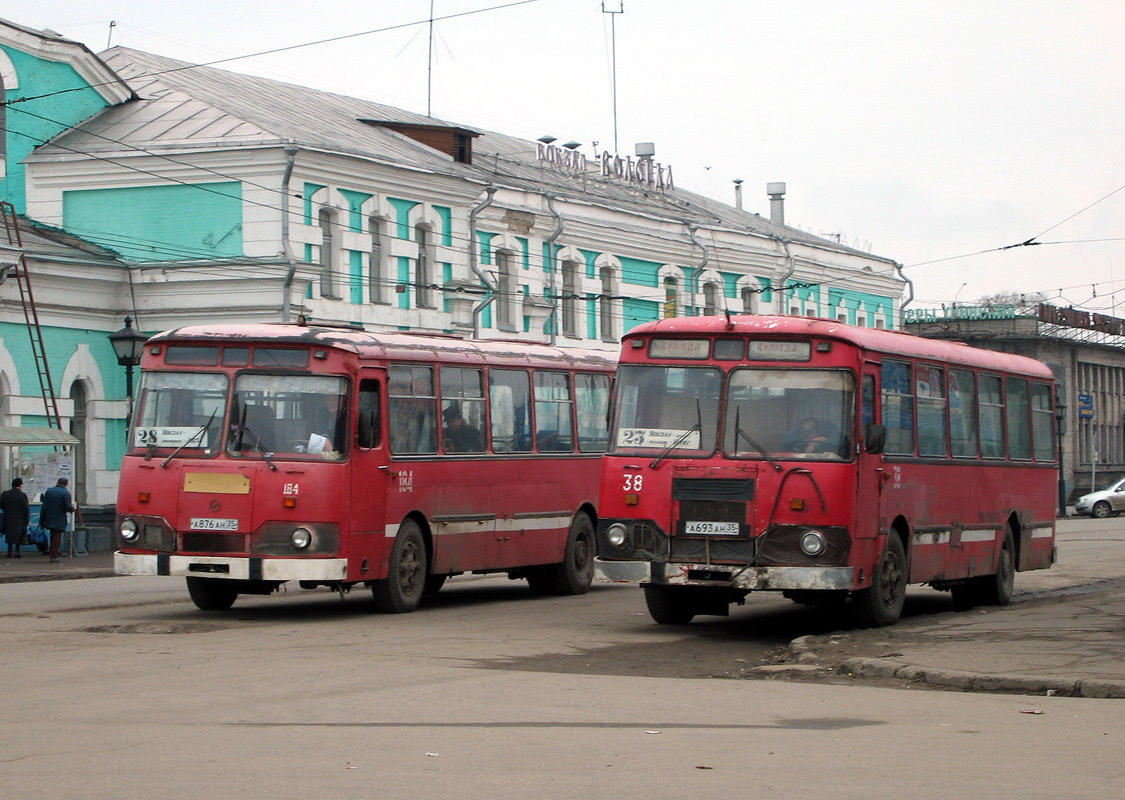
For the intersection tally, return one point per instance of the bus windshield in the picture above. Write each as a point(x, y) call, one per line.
point(180, 410)
point(789, 413)
point(288, 415)
point(667, 408)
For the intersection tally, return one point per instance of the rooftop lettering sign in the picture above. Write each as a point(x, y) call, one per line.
point(960, 313)
point(642, 171)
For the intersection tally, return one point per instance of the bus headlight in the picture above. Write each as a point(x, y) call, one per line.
point(615, 534)
point(128, 530)
point(301, 538)
point(813, 543)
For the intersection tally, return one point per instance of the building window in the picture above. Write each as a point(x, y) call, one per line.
point(710, 299)
point(749, 301)
point(605, 304)
point(422, 267)
point(505, 289)
point(375, 276)
point(569, 299)
point(328, 278)
point(671, 297)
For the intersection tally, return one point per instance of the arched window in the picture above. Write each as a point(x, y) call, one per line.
point(710, 299)
point(422, 267)
point(375, 277)
point(569, 302)
point(506, 295)
point(749, 301)
point(78, 431)
point(327, 221)
point(671, 297)
point(605, 304)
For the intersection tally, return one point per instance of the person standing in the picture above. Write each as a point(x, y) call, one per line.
point(17, 514)
point(52, 514)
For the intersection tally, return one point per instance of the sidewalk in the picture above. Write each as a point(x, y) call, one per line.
point(34, 566)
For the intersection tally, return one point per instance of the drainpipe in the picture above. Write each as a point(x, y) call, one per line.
point(286, 248)
point(554, 318)
point(910, 297)
point(490, 191)
point(785, 278)
point(695, 276)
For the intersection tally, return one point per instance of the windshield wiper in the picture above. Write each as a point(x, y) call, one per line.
point(698, 426)
point(243, 429)
point(192, 438)
point(739, 433)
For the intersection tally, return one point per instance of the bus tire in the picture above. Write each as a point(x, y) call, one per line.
point(990, 590)
point(212, 594)
point(881, 603)
point(433, 584)
point(667, 606)
point(402, 589)
point(575, 573)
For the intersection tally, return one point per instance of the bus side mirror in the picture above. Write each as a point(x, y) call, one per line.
point(874, 437)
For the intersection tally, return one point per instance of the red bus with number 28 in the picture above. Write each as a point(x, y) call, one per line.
point(261, 454)
point(828, 462)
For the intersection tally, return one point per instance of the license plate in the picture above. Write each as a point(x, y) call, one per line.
point(213, 524)
point(697, 528)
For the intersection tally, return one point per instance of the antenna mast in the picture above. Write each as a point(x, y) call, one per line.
point(613, 57)
point(430, 64)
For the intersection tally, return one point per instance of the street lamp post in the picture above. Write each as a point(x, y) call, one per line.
point(1060, 426)
point(128, 344)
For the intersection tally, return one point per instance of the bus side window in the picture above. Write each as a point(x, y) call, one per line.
point(367, 429)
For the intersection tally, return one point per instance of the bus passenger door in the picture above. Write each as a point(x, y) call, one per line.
point(366, 514)
point(870, 469)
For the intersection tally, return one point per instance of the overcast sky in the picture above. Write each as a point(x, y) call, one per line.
point(920, 131)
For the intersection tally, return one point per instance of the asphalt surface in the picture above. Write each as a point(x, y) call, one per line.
point(1063, 634)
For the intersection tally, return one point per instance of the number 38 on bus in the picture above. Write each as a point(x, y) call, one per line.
point(831, 463)
point(261, 454)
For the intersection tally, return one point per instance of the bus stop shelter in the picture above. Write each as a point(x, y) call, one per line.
point(40, 456)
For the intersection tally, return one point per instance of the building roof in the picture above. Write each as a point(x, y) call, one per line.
point(184, 107)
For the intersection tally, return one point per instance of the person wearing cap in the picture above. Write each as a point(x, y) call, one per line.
point(17, 515)
point(52, 514)
point(459, 436)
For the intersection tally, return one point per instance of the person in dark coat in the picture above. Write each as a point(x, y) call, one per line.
point(52, 514)
point(17, 514)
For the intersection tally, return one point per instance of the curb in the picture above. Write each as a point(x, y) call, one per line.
point(965, 681)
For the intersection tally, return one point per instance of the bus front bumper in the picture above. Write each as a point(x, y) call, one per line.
point(231, 568)
point(752, 578)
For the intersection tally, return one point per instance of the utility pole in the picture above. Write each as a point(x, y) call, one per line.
point(430, 64)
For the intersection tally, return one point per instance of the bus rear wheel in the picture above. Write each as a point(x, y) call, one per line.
point(575, 573)
point(668, 606)
point(881, 603)
point(990, 590)
point(402, 589)
point(212, 594)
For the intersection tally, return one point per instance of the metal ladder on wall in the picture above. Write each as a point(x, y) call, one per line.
point(27, 299)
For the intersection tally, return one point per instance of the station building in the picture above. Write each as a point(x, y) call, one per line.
point(179, 194)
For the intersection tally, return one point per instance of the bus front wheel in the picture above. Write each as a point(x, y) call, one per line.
point(881, 603)
point(402, 589)
point(212, 594)
point(668, 606)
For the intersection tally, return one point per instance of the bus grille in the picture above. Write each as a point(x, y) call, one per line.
point(712, 489)
point(213, 543)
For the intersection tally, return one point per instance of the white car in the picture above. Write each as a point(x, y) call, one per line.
point(1103, 503)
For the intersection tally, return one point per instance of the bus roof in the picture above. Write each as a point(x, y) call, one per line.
point(391, 344)
point(873, 339)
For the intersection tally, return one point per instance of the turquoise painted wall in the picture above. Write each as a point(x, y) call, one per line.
point(160, 223)
point(61, 344)
point(634, 312)
point(639, 272)
point(355, 206)
point(355, 276)
point(33, 122)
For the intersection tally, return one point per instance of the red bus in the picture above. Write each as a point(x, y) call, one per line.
point(261, 454)
point(829, 462)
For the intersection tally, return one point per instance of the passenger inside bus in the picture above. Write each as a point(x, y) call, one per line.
point(459, 436)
